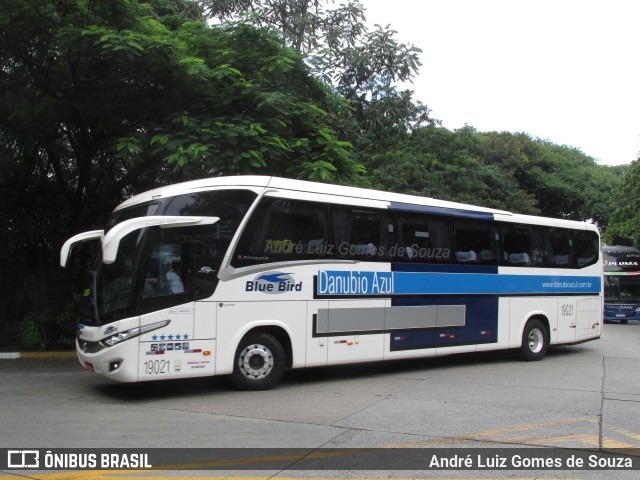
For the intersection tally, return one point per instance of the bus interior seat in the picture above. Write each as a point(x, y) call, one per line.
point(465, 257)
point(519, 258)
point(582, 261)
point(487, 255)
point(367, 250)
point(315, 247)
point(410, 253)
point(561, 259)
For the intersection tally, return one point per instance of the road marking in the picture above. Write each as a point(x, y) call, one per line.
point(116, 475)
point(504, 436)
point(531, 426)
point(622, 431)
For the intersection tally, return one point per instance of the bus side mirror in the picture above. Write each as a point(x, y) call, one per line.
point(65, 251)
point(111, 240)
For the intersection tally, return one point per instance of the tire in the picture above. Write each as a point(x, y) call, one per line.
point(535, 340)
point(259, 362)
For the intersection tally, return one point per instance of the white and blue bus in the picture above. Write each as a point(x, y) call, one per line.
point(251, 275)
point(621, 283)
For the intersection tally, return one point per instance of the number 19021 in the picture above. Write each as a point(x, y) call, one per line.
point(156, 367)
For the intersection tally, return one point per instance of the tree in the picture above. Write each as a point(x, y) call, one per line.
point(509, 171)
point(306, 25)
point(449, 165)
point(365, 67)
point(624, 227)
point(103, 87)
point(100, 100)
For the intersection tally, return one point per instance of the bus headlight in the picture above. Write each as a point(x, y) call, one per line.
point(132, 333)
point(637, 309)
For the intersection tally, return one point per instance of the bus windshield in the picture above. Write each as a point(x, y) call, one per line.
point(622, 274)
point(151, 262)
point(622, 288)
point(110, 289)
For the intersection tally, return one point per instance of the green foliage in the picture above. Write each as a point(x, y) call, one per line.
point(362, 66)
point(31, 334)
point(500, 170)
point(273, 120)
point(448, 165)
point(108, 96)
point(305, 25)
point(101, 100)
point(624, 228)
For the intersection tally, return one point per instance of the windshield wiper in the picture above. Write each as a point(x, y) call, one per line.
point(94, 287)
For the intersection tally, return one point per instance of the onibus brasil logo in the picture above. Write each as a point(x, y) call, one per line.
point(273, 283)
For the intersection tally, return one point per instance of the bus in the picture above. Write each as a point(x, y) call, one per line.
point(621, 283)
point(250, 275)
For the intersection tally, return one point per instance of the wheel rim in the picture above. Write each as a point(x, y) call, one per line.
point(536, 340)
point(256, 361)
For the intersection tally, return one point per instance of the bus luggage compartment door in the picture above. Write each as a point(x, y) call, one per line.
point(354, 329)
point(589, 312)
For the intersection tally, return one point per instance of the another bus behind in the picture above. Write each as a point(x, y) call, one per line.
point(621, 283)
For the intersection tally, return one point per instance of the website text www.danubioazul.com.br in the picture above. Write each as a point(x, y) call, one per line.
point(558, 284)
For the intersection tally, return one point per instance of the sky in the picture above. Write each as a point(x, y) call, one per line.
point(567, 71)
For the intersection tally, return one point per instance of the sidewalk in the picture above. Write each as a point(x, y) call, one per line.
point(17, 355)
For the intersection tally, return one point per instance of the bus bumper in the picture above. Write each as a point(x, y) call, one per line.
point(615, 312)
point(109, 361)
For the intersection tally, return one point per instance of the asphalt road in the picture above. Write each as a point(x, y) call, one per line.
point(580, 397)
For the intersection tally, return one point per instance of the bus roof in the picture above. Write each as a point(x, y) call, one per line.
point(257, 182)
point(298, 186)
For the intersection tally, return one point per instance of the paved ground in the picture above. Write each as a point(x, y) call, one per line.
point(580, 397)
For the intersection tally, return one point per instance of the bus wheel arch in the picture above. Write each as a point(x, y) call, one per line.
point(535, 338)
point(261, 357)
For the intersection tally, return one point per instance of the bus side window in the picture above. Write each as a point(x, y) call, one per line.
point(521, 246)
point(282, 230)
point(423, 238)
point(585, 247)
point(474, 242)
point(557, 247)
point(361, 234)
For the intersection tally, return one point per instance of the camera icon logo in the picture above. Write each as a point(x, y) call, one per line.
point(23, 459)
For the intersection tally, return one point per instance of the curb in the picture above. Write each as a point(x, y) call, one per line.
point(37, 355)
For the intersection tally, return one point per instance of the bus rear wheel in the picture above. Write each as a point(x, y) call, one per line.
point(535, 340)
point(259, 362)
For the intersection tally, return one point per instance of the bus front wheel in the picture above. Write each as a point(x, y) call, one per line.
point(259, 362)
point(535, 340)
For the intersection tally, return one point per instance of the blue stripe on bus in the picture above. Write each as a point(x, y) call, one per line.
point(405, 283)
point(363, 283)
point(443, 268)
point(449, 212)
